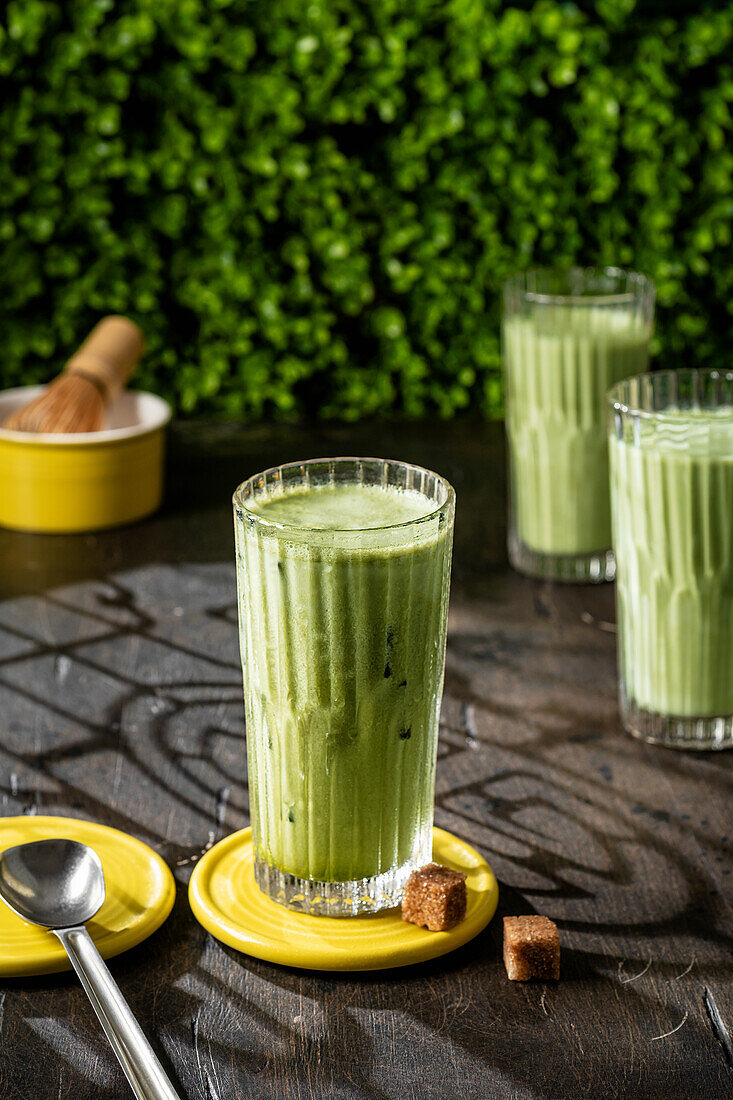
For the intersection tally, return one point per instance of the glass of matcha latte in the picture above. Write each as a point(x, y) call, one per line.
point(567, 336)
point(671, 447)
point(343, 570)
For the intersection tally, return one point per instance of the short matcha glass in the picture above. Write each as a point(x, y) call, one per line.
point(343, 569)
point(567, 336)
point(671, 449)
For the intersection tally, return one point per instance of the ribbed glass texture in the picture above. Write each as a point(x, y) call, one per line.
point(343, 647)
point(671, 446)
point(567, 336)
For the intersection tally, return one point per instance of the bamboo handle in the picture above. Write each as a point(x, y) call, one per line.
point(109, 354)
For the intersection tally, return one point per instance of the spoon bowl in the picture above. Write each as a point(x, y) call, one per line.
point(55, 883)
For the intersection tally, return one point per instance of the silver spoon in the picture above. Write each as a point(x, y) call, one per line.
point(59, 884)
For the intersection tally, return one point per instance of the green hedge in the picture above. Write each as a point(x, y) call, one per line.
point(310, 205)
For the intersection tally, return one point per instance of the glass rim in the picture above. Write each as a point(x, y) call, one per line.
point(277, 525)
point(642, 283)
point(617, 404)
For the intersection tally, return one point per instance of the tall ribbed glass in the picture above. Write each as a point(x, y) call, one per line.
point(671, 446)
point(342, 631)
point(567, 336)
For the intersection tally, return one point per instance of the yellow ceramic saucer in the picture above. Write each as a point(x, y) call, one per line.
point(227, 901)
point(139, 896)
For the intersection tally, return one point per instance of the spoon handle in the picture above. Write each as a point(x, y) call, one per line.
point(147, 1077)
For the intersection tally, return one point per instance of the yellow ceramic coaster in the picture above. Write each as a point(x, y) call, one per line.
point(140, 895)
point(228, 903)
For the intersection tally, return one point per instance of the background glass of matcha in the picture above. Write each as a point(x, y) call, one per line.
point(342, 635)
point(671, 447)
point(567, 336)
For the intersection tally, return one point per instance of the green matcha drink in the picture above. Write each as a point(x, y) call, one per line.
point(671, 447)
point(566, 338)
point(343, 571)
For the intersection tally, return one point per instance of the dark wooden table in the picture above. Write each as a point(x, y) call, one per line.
point(120, 701)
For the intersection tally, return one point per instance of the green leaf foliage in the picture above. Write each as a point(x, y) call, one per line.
point(310, 205)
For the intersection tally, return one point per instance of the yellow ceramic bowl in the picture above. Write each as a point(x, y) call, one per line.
point(84, 481)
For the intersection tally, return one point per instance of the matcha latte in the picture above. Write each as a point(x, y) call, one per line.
point(343, 572)
point(566, 338)
point(671, 444)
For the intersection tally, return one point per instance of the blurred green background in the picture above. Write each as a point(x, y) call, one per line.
point(310, 205)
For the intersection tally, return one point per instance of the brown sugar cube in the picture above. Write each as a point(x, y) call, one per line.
point(531, 948)
point(435, 897)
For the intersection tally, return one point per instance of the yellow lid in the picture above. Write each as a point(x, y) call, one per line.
point(226, 900)
point(140, 891)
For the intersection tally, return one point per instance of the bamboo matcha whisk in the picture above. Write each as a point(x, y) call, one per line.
point(92, 379)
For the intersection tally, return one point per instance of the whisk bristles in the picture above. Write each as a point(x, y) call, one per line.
point(71, 403)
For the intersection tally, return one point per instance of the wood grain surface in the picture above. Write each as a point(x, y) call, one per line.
point(121, 701)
